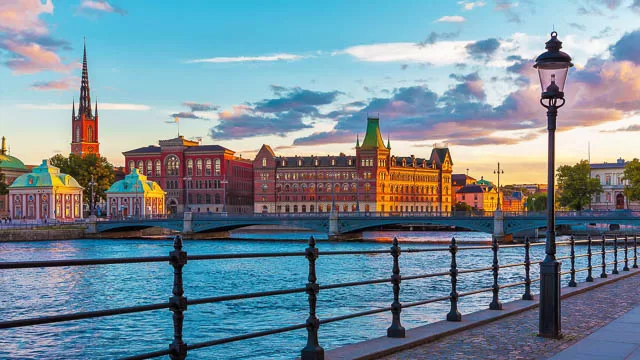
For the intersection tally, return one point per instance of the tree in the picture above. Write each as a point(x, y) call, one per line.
point(575, 186)
point(537, 202)
point(632, 176)
point(460, 206)
point(82, 168)
point(4, 188)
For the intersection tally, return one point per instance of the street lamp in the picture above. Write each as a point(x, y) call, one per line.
point(553, 66)
point(499, 171)
point(224, 183)
point(135, 202)
point(92, 203)
point(187, 180)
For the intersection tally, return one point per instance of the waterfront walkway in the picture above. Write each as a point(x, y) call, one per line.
point(607, 318)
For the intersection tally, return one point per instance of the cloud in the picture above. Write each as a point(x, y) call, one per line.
point(275, 57)
point(102, 106)
point(57, 85)
point(194, 106)
point(611, 4)
point(627, 48)
point(291, 110)
point(483, 49)
point(635, 6)
point(630, 128)
point(578, 26)
point(469, 5)
point(506, 7)
point(185, 115)
point(100, 6)
point(452, 19)
point(440, 53)
point(591, 10)
point(434, 37)
point(23, 16)
point(29, 58)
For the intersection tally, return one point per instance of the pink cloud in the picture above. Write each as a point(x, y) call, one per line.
point(32, 58)
point(23, 16)
point(100, 5)
point(56, 85)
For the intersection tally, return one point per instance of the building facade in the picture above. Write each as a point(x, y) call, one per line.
point(197, 178)
point(479, 196)
point(10, 168)
point(135, 196)
point(84, 125)
point(372, 180)
point(458, 181)
point(611, 176)
point(45, 194)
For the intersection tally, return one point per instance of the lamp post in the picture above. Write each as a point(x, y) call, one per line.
point(187, 180)
point(553, 66)
point(498, 171)
point(224, 183)
point(357, 192)
point(135, 200)
point(92, 202)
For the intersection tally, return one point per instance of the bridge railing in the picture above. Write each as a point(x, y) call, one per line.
point(178, 303)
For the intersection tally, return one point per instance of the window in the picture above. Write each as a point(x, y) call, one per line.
point(207, 167)
point(264, 162)
point(217, 167)
point(158, 168)
point(90, 134)
point(132, 165)
point(608, 180)
point(140, 166)
point(199, 167)
point(217, 198)
point(173, 165)
point(189, 167)
point(149, 167)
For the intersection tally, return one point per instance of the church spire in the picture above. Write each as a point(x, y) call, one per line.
point(85, 94)
point(357, 141)
point(96, 106)
point(73, 109)
point(389, 142)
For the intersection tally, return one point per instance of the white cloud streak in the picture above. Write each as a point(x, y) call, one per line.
point(101, 106)
point(452, 19)
point(275, 57)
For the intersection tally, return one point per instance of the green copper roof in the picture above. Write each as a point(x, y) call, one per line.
point(482, 181)
point(373, 138)
point(45, 176)
point(135, 183)
point(7, 161)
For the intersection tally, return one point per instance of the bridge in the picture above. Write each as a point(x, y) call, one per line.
point(336, 224)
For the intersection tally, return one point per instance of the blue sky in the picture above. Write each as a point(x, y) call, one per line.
point(302, 76)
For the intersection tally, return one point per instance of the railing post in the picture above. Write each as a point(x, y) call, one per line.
point(626, 254)
point(603, 274)
point(313, 350)
point(589, 266)
point(635, 252)
point(495, 267)
point(178, 303)
point(527, 267)
point(615, 255)
point(396, 330)
point(572, 282)
point(454, 314)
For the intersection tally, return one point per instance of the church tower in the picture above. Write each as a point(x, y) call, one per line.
point(84, 125)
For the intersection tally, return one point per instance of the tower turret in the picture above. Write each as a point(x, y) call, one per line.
point(84, 125)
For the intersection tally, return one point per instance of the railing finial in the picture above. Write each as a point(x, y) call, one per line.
point(454, 314)
point(396, 330)
point(313, 350)
point(178, 303)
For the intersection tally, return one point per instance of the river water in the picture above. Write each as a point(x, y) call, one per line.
point(29, 293)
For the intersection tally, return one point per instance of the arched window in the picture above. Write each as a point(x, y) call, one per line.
point(217, 167)
point(304, 208)
point(132, 165)
point(295, 208)
point(173, 165)
point(90, 134)
point(207, 167)
point(149, 167)
point(189, 167)
point(78, 138)
point(158, 168)
point(311, 208)
point(199, 167)
point(141, 166)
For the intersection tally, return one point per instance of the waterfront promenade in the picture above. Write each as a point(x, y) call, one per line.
point(592, 312)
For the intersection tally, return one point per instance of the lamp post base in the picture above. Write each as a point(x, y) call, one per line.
point(550, 311)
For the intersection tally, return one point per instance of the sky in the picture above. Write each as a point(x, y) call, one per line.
point(303, 76)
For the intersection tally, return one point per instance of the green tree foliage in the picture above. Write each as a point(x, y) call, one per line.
point(82, 168)
point(575, 186)
point(537, 202)
point(460, 206)
point(632, 175)
point(4, 188)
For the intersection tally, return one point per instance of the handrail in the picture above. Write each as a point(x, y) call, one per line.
point(178, 303)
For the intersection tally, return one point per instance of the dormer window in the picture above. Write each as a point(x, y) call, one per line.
point(264, 162)
point(299, 162)
point(333, 162)
point(315, 162)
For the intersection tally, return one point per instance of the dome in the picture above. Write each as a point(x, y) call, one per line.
point(9, 162)
point(45, 175)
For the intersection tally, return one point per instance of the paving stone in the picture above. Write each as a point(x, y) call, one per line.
point(515, 337)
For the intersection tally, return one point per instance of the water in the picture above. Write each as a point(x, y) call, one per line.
point(50, 291)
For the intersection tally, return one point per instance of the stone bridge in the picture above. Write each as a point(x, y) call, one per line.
point(498, 223)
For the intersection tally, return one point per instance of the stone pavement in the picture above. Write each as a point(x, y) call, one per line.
point(515, 337)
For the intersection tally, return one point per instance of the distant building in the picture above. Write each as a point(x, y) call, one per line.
point(513, 201)
point(457, 182)
point(531, 188)
point(11, 167)
point(135, 196)
point(45, 193)
point(610, 176)
point(198, 178)
point(478, 196)
point(84, 126)
point(372, 180)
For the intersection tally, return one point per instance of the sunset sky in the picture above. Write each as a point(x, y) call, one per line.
point(302, 76)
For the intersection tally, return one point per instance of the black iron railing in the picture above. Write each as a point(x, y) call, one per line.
point(178, 303)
